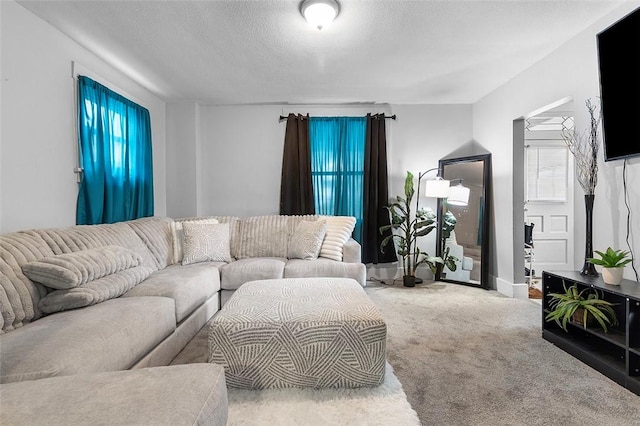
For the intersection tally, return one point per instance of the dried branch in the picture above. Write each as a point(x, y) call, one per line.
point(584, 147)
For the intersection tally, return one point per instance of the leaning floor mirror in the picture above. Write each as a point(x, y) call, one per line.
point(463, 219)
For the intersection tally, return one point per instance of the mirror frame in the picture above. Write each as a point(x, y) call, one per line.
point(486, 193)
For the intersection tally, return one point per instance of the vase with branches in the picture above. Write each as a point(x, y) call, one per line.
point(584, 147)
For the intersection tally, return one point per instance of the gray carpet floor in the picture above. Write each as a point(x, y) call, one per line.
point(467, 356)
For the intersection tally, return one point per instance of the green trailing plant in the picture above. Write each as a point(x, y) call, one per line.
point(611, 258)
point(407, 227)
point(586, 303)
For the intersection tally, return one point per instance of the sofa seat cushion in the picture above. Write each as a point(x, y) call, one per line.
point(233, 275)
point(192, 394)
point(321, 267)
point(189, 286)
point(110, 336)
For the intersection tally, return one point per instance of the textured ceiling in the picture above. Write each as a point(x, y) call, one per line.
point(383, 51)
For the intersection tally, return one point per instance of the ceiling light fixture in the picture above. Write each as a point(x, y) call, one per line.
point(319, 13)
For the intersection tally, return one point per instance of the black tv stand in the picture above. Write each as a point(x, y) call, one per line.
point(615, 354)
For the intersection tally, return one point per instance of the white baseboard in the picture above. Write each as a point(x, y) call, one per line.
point(517, 291)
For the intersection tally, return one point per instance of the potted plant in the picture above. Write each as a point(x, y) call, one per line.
point(406, 228)
point(580, 307)
point(613, 263)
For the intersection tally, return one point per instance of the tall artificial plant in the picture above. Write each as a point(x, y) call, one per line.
point(407, 227)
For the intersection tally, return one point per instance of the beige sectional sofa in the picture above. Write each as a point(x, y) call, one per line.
point(150, 322)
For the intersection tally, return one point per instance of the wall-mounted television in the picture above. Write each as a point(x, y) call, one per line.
point(619, 66)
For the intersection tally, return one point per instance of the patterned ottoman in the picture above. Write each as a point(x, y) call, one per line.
point(299, 332)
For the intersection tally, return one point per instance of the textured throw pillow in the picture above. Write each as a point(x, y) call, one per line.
point(262, 236)
point(206, 243)
point(306, 240)
point(339, 230)
point(71, 270)
point(94, 292)
point(178, 238)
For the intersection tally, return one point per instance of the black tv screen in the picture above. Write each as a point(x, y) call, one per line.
point(619, 66)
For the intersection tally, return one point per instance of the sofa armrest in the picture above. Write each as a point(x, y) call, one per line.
point(352, 252)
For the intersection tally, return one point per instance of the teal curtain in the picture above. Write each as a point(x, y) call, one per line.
point(337, 166)
point(115, 155)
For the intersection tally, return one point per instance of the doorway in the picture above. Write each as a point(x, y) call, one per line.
point(547, 189)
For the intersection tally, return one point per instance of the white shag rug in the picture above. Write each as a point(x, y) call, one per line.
point(383, 405)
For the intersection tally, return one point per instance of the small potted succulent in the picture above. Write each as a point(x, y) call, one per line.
point(581, 307)
point(613, 263)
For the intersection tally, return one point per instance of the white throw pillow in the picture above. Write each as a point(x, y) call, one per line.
point(307, 239)
point(178, 239)
point(206, 243)
point(339, 230)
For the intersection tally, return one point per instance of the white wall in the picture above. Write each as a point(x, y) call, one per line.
point(571, 71)
point(37, 185)
point(182, 153)
point(422, 135)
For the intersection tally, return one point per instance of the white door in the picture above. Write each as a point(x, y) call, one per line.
point(549, 195)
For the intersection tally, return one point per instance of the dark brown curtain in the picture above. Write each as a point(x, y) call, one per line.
point(376, 194)
point(296, 186)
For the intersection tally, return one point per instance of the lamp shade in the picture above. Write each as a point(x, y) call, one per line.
point(319, 13)
point(437, 188)
point(458, 195)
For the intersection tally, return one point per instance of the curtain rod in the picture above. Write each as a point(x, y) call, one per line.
point(393, 117)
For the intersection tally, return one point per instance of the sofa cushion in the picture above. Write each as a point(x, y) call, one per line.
point(320, 267)
point(192, 394)
point(155, 232)
point(109, 336)
point(189, 286)
point(306, 240)
point(19, 296)
point(339, 230)
point(94, 292)
point(234, 225)
point(234, 274)
point(70, 270)
point(262, 236)
point(177, 235)
point(83, 237)
point(206, 243)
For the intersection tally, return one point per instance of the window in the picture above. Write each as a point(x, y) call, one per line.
point(547, 173)
point(115, 155)
point(337, 166)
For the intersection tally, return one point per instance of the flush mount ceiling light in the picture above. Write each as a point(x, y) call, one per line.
point(319, 13)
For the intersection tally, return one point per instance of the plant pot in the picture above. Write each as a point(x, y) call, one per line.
point(612, 276)
point(409, 280)
point(578, 317)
